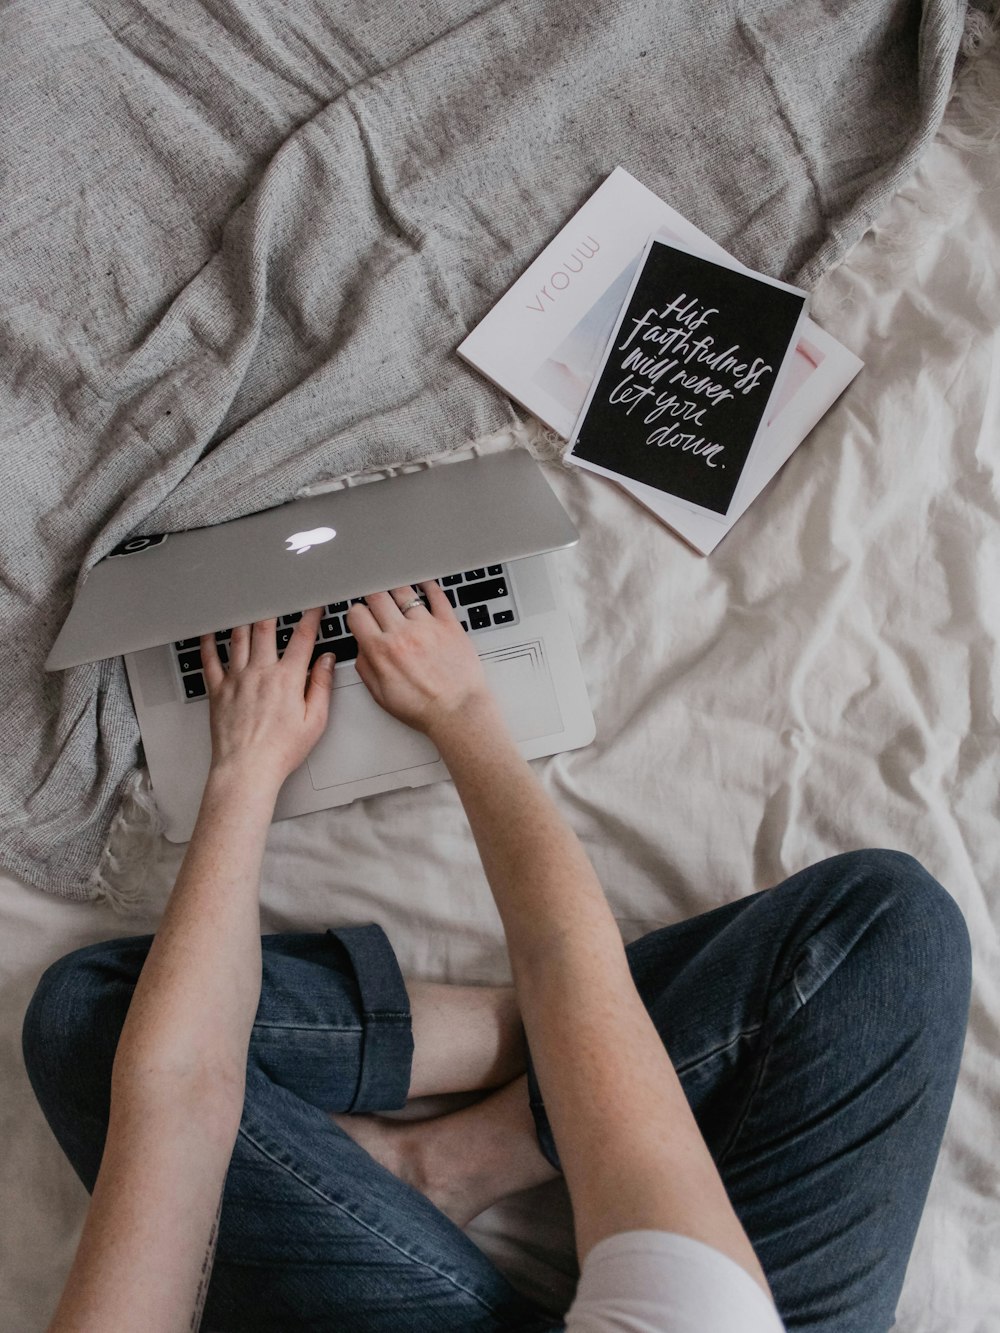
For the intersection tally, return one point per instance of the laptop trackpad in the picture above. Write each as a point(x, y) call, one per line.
point(363, 741)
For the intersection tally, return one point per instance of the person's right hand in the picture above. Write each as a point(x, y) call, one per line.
point(419, 666)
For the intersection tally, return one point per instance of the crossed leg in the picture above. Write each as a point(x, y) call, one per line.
point(314, 1233)
point(816, 1028)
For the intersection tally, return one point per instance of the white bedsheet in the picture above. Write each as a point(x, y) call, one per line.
point(826, 680)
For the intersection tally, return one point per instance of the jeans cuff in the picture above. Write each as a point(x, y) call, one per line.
point(387, 1047)
point(543, 1129)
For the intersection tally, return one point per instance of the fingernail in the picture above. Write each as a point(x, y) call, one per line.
point(326, 661)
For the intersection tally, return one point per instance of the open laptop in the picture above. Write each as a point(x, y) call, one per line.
point(483, 526)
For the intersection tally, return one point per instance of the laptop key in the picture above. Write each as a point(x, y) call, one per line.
point(281, 638)
point(223, 652)
point(471, 574)
point(450, 579)
point(330, 628)
point(482, 592)
point(503, 617)
point(221, 634)
point(345, 650)
point(190, 661)
point(479, 617)
point(335, 608)
point(494, 569)
point(291, 619)
point(194, 685)
point(186, 643)
point(450, 595)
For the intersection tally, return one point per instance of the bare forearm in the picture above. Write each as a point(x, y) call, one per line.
point(632, 1153)
point(566, 952)
point(177, 1084)
point(196, 998)
point(149, 1236)
point(540, 875)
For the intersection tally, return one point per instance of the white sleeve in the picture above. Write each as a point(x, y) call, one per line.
point(659, 1282)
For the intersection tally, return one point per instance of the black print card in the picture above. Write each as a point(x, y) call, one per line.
point(687, 376)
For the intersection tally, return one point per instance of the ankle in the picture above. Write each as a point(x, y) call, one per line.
point(427, 1155)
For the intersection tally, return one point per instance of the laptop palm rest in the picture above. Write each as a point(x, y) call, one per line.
point(363, 741)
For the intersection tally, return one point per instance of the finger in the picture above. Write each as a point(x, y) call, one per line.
point(239, 647)
point(362, 623)
point(299, 647)
point(210, 664)
point(318, 691)
point(263, 645)
point(384, 609)
point(401, 596)
point(435, 594)
point(368, 677)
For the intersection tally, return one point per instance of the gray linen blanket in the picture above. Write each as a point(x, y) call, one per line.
point(240, 240)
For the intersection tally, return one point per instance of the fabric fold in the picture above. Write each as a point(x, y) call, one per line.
point(241, 244)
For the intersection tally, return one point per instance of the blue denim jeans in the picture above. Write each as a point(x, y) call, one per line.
point(816, 1027)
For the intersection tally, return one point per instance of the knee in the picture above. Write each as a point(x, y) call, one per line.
point(73, 1021)
point(917, 906)
point(918, 932)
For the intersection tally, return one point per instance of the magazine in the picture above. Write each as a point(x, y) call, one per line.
point(543, 342)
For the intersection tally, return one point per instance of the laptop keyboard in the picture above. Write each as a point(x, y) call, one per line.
point(481, 598)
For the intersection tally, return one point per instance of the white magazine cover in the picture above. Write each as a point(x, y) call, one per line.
point(544, 340)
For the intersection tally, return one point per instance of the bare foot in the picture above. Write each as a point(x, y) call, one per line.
point(462, 1162)
point(403, 1147)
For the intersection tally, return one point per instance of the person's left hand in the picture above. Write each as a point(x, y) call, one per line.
point(265, 717)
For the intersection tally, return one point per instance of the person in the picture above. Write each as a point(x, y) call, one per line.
point(746, 1106)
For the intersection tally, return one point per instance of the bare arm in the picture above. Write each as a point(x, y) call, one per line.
point(631, 1151)
point(145, 1254)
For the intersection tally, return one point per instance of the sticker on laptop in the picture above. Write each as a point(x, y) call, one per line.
point(134, 545)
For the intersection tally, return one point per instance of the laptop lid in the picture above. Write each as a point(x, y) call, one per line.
point(346, 543)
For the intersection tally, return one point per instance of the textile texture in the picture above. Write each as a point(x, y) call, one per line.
point(240, 243)
point(825, 681)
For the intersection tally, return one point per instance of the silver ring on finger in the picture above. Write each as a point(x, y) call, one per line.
point(414, 601)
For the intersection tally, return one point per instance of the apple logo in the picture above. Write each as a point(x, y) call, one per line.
point(301, 542)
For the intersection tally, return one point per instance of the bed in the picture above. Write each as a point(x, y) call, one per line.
point(827, 680)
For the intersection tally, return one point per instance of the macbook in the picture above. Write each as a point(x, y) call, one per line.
point(483, 526)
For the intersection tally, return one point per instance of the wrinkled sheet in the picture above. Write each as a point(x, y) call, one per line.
point(826, 680)
point(240, 240)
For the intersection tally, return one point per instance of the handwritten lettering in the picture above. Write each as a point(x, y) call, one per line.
point(647, 365)
point(627, 392)
point(661, 344)
point(688, 443)
point(684, 409)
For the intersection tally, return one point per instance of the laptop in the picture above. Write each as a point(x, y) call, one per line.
point(484, 526)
